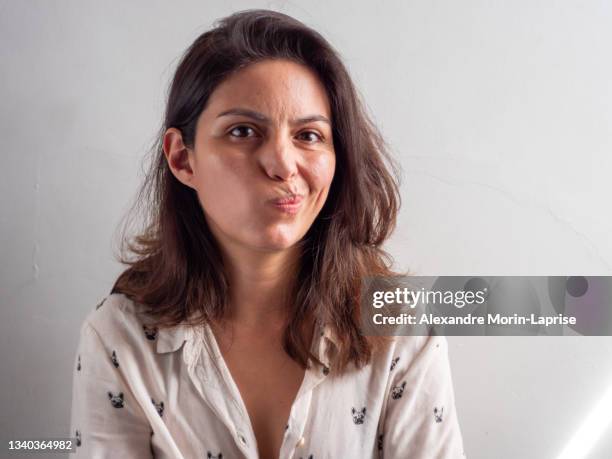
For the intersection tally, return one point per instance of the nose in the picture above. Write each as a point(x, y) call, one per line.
point(278, 158)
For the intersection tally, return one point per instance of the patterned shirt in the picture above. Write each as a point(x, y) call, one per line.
point(142, 392)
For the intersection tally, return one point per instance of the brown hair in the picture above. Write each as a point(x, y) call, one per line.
point(178, 270)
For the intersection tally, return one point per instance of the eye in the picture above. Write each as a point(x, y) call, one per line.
point(313, 136)
point(243, 129)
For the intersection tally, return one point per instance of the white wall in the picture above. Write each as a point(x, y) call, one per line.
point(499, 112)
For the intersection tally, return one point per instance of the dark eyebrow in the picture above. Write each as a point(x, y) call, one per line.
point(264, 119)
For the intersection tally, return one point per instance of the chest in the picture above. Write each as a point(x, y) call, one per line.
point(268, 381)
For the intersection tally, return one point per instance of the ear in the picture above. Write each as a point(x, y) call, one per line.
point(178, 156)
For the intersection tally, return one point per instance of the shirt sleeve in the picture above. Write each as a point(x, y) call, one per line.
point(106, 419)
point(420, 417)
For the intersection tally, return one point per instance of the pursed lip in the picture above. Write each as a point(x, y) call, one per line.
point(296, 199)
point(290, 204)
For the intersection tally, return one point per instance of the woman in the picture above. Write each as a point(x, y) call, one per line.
point(235, 330)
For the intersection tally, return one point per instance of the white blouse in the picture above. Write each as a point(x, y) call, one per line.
point(140, 392)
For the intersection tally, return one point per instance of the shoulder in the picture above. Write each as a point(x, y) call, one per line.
point(115, 310)
point(406, 353)
point(415, 344)
point(117, 317)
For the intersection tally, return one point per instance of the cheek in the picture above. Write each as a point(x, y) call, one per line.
point(321, 172)
point(222, 186)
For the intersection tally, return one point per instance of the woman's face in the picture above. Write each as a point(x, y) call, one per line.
point(263, 157)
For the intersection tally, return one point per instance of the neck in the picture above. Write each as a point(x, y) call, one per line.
point(259, 286)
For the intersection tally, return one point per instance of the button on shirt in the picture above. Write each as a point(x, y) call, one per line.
point(142, 392)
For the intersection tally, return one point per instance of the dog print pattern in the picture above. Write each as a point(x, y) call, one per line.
point(398, 391)
point(116, 400)
point(158, 406)
point(438, 414)
point(359, 414)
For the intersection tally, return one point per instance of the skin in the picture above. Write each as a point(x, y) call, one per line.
point(238, 164)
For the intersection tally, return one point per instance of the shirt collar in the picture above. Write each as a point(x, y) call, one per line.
point(172, 338)
point(328, 333)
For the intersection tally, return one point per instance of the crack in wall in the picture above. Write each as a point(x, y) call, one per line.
point(591, 246)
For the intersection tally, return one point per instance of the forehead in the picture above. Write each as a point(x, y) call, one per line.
point(278, 88)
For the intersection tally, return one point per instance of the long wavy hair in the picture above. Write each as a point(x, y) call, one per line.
point(174, 263)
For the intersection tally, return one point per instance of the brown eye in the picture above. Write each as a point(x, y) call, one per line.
point(244, 129)
point(311, 136)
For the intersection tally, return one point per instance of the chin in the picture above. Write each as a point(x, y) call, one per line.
point(277, 244)
point(278, 239)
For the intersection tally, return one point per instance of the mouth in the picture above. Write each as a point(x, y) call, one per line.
point(289, 205)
